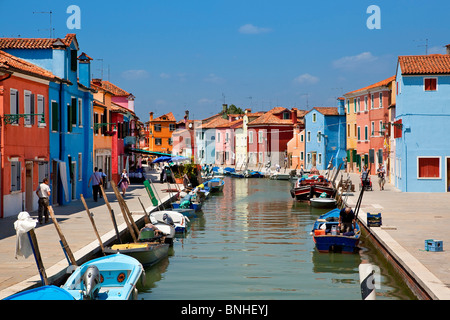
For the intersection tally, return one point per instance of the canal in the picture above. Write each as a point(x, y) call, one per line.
point(253, 242)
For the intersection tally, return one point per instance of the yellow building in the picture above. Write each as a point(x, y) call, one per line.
point(160, 132)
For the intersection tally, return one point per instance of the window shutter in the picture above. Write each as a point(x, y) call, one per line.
point(32, 108)
point(40, 110)
point(69, 118)
point(27, 108)
point(74, 111)
point(73, 60)
point(55, 116)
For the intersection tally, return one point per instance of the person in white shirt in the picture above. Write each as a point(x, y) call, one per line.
point(43, 192)
point(97, 180)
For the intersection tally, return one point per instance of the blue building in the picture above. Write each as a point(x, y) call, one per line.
point(70, 105)
point(422, 117)
point(325, 139)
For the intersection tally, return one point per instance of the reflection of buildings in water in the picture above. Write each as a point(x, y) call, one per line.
point(241, 205)
point(335, 263)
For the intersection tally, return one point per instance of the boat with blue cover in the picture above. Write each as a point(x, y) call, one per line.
point(180, 221)
point(214, 185)
point(111, 277)
point(327, 238)
point(49, 292)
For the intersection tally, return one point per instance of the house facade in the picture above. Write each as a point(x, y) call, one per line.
point(24, 132)
point(160, 132)
point(70, 104)
point(422, 150)
point(325, 136)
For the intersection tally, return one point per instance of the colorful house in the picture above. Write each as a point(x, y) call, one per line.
point(160, 132)
point(25, 144)
point(206, 139)
point(371, 110)
point(70, 111)
point(422, 151)
point(296, 148)
point(268, 136)
point(226, 140)
point(325, 139)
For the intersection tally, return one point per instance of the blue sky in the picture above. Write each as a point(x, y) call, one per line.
point(193, 55)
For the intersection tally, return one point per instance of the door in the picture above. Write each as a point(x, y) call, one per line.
point(55, 183)
point(313, 158)
point(73, 179)
point(29, 186)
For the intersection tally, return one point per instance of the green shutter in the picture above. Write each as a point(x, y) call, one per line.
point(55, 116)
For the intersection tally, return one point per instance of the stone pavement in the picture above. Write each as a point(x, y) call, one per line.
point(20, 274)
point(408, 220)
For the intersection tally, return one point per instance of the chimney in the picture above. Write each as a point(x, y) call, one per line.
point(448, 48)
point(84, 71)
point(224, 108)
point(248, 110)
point(151, 116)
point(186, 115)
point(294, 116)
point(97, 81)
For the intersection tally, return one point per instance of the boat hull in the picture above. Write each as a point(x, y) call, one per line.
point(147, 253)
point(325, 203)
point(49, 292)
point(301, 193)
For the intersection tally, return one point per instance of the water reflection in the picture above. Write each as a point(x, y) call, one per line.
point(252, 242)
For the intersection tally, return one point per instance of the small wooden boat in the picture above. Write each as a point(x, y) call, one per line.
point(214, 185)
point(280, 176)
point(112, 277)
point(190, 201)
point(180, 222)
point(323, 202)
point(49, 292)
point(328, 239)
point(313, 185)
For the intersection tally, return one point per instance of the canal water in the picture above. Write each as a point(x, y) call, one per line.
point(253, 242)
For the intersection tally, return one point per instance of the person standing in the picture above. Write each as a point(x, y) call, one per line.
point(96, 179)
point(124, 181)
point(43, 192)
point(381, 172)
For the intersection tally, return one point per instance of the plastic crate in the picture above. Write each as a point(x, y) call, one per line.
point(374, 220)
point(434, 245)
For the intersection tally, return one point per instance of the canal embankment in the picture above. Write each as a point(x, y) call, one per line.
point(18, 274)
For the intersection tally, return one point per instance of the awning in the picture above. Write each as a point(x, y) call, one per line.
point(149, 152)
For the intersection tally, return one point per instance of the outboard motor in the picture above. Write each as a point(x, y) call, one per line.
point(168, 219)
point(92, 284)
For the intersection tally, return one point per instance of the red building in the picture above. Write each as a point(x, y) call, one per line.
point(25, 149)
point(268, 136)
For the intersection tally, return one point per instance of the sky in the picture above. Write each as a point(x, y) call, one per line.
point(195, 55)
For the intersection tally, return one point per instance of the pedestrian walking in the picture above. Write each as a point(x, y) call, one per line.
point(381, 172)
point(96, 179)
point(124, 181)
point(43, 192)
point(103, 181)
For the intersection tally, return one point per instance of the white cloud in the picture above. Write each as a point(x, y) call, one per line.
point(164, 75)
point(251, 29)
point(212, 78)
point(135, 74)
point(306, 78)
point(354, 62)
point(160, 102)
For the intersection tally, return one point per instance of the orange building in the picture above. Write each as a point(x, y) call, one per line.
point(159, 133)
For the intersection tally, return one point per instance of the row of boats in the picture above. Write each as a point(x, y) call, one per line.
point(115, 275)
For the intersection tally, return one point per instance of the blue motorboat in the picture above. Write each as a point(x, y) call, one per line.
point(214, 185)
point(254, 174)
point(190, 201)
point(328, 238)
point(49, 292)
point(111, 277)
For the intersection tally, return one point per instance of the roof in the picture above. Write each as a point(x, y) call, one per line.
point(381, 83)
point(36, 43)
point(13, 63)
point(169, 116)
point(229, 124)
point(269, 118)
point(214, 123)
point(116, 108)
point(110, 87)
point(326, 111)
point(429, 64)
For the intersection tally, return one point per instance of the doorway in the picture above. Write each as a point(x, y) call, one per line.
point(55, 183)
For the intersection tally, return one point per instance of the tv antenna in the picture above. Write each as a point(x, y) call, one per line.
point(424, 45)
point(223, 98)
point(50, 14)
point(101, 68)
point(251, 101)
point(307, 99)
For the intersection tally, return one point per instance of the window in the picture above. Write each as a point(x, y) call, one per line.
point(96, 121)
point(348, 130)
point(286, 115)
point(170, 141)
point(301, 155)
point(356, 131)
point(14, 103)
point(302, 138)
point(250, 137)
point(41, 111)
point(218, 137)
point(365, 103)
point(430, 84)
point(80, 167)
point(381, 128)
point(314, 117)
point(359, 104)
point(15, 175)
point(366, 129)
point(42, 171)
point(319, 158)
point(69, 117)
point(55, 116)
point(308, 158)
point(319, 136)
point(348, 106)
point(73, 60)
point(428, 167)
point(372, 128)
point(28, 107)
point(260, 137)
point(157, 127)
point(354, 105)
point(172, 126)
point(308, 136)
point(381, 101)
point(359, 133)
point(80, 112)
point(158, 141)
point(371, 101)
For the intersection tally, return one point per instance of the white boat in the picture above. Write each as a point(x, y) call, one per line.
point(180, 221)
point(280, 176)
point(323, 202)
